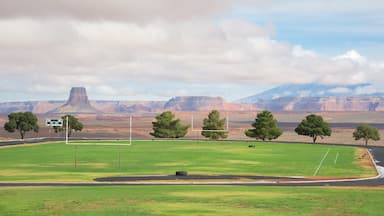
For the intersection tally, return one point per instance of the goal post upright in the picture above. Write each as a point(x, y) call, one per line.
point(227, 123)
point(130, 130)
point(66, 130)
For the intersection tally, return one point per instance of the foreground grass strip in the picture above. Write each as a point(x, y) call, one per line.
point(191, 200)
point(55, 162)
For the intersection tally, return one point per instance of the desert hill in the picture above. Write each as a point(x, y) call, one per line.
point(306, 97)
point(317, 97)
point(78, 103)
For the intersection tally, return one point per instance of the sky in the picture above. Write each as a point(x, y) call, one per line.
point(155, 50)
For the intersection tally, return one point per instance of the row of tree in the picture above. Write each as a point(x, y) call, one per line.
point(265, 127)
point(27, 121)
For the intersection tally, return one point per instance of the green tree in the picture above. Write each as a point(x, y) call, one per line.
point(265, 127)
point(22, 122)
point(213, 122)
point(73, 125)
point(166, 126)
point(313, 126)
point(366, 132)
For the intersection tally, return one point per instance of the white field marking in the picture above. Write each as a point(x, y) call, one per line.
point(337, 156)
point(321, 162)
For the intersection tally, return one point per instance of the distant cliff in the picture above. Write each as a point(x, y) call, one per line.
point(343, 104)
point(31, 106)
point(77, 103)
point(202, 103)
point(274, 100)
point(318, 97)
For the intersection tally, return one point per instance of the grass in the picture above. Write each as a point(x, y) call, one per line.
point(191, 200)
point(55, 162)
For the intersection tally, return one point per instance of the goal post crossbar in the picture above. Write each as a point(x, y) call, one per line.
point(99, 144)
point(106, 142)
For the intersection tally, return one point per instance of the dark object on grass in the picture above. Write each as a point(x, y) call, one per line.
point(181, 173)
point(251, 146)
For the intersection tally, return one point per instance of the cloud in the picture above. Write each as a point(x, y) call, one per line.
point(366, 90)
point(340, 90)
point(68, 52)
point(119, 10)
point(126, 47)
point(352, 56)
point(324, 7)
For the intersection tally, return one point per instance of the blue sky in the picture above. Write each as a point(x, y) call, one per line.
point(155, 50)
point(326, 30)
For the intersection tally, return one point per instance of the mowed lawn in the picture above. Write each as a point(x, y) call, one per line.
point(190, 200)
point(55, 161)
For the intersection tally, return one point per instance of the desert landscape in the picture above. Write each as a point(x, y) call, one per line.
point(110, 119)
point(116, 126)
point(180, 107)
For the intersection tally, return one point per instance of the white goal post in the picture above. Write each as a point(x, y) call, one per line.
point(103, 142)
point(201, 130)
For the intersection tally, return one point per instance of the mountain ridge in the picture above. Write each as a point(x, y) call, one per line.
point(312, 90)
point(304, 97)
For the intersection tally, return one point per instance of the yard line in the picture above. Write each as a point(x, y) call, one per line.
point(321, 162)
point(337, 156)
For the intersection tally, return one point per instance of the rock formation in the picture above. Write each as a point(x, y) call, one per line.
point(204, 103)
point(77, 103)
point(340, 104)
point(194, 103)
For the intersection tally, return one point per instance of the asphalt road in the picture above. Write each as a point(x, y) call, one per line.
point(377, 153)
point(30, 141)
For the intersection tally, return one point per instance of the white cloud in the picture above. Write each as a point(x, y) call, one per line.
point(299, 51)
point(340, 90)
point(98, 53)
point(119, 10)
point(324, 6)
point(108, 46)
point(366, 90)
point(353, 56)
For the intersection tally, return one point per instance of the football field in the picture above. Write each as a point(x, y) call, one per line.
point(58, 162)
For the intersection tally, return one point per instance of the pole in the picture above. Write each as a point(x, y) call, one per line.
point(227, 123)
point(66, 131)
point(75, 156)
point(192, 122)
point(119, 156)
point(130, 129)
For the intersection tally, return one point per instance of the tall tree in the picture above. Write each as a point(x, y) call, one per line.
point(22, 122)
point(213, 126)
point(366, 132)
point(166, 126)
point(313, 126)
point(74, 124)
point(265, 127)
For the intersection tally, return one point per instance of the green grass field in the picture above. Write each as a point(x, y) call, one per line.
point(191, 200)
point(55, 161)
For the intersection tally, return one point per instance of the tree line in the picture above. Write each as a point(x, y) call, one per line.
point(265, 127)
point(24, 122)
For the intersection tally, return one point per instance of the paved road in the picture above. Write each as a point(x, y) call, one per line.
point(377, 152)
